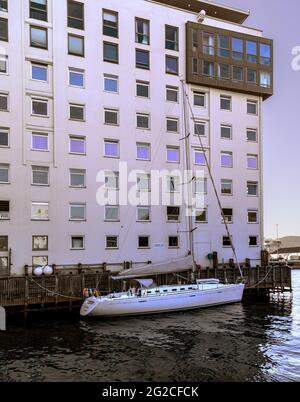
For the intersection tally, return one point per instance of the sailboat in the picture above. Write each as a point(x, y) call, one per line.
point(147, 297)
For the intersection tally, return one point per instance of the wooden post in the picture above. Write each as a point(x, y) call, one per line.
point(56, 291)
point(26, 296)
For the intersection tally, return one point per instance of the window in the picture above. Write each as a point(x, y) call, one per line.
point(208, 41)
point(111, 52)
point(252, 216)
point(143, 214)
point(199, 157)
point(199, 128)
point(253, 241)
point(251, 135)
point(4, 29)
point(76, 45)
point(173, 214)
point(110, 23)
point(39, 243)
point(39, 107)
point(171, 38)
point(172, 94)
point(199, 98)
point(173, 184)
point(142, 89)
point(195, 41)
point(173, 154)
point(77, 243)
point(39, 261)
point(4, 173)
point(208, 68)
point(76, 78)
point(228, 213)
point(77, 212)
point(173, 241)
point(224, 71)
point(201, 216)
point(226, 187)
point(226, 132)
point(265, 54)
point(40, 211)
point(38, 37)
point(226, 159)
point(77, 145)
point(112, 242)
point(112, 213)
point(38, 10)
point(142, 59)
point(172, 65)
point(237, 49)
point(225, 102)
point(224, 46)
point(143, 181)
point(4, 209)
point(112, 180)
point(75, 14)
point(265, 79)
point(77, 178)
point(142, 31)
point(39, 72)
point(251, 76)
point(252, 162)
point(3, 5)
point(226, 241)
point(39, 142)
point(4, 138)
point(143, 151)
point(143, 120)
point(4, 268)
point(111, 83)
point(3, 243)
point(40, 175)
point(111, 117)
point(252, 107)
point(252, 188)
point(195, 66)
point(3, 64)
point(237, 73)
point(172, 125)
point(111, 148)
point(77, 112)
point(143, 242)
point(201, 186)
point(251, 51)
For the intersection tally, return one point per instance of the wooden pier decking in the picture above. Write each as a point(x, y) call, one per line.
point(63, 290)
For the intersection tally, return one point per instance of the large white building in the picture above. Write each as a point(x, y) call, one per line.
point(85, 85)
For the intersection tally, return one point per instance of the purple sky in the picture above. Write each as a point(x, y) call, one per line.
point(280, 21)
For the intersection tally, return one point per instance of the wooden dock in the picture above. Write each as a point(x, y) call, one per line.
point(63, 289)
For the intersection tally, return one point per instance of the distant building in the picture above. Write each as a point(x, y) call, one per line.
point(87, 84)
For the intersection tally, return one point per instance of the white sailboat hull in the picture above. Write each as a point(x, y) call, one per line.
point(126, 306)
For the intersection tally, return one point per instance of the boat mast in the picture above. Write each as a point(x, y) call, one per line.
point(186, 100)
point(187, 176)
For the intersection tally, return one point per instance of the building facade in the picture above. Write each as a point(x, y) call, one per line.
point(85, 85)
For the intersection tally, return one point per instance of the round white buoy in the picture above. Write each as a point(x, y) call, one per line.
point(38, 271)
point(48, 270)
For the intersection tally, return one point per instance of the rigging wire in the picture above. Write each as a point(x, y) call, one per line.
point(211, 178)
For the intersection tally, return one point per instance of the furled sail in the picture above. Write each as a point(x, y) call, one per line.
point(166, 267)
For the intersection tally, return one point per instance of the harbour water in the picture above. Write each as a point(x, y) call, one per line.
point(242, 342)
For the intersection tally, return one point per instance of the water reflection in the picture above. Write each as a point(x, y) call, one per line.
point(256, 342)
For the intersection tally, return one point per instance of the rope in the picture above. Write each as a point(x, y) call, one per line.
point(261, 281)
point(213, 182)
point(51, 291)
